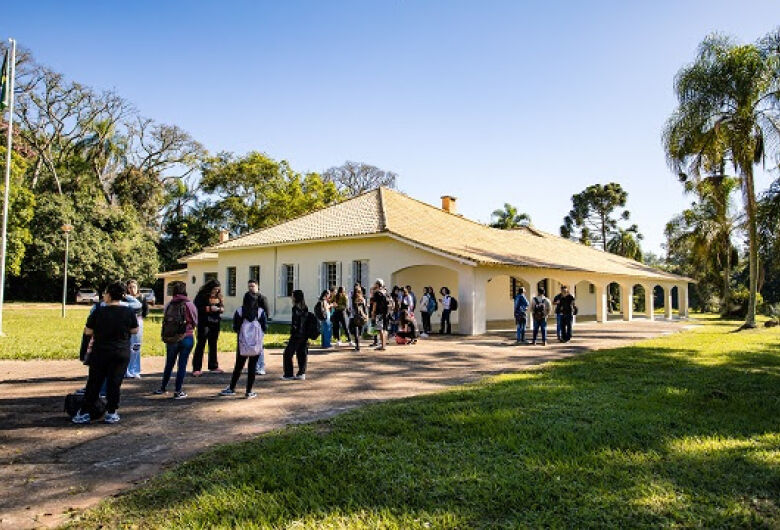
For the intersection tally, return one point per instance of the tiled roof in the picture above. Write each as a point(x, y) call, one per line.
point(388, 211)
point(200, 256)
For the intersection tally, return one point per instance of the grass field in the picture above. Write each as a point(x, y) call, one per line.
point(38, 331)
point(679, 431)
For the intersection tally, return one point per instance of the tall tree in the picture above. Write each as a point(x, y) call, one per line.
point(625, 242)
point(354, 178)
point(509, 218)
point(595, 213)
point(769, 242)
point(727, 110)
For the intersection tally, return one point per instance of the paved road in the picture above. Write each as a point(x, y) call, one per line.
point(49, 466)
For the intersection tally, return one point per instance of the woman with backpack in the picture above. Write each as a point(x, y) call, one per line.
point(446, 304)
point(210, 305)
point(251, 323)
point(322, 310)
point(359, 316)
point(180, 318)
point(298, 344)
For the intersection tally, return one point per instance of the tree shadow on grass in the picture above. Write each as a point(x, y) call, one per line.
point(636, 436)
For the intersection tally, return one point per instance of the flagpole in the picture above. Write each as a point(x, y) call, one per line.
point(11, 74)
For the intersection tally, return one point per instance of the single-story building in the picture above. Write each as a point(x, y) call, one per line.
point(386, 234)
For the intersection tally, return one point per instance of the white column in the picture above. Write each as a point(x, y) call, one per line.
point(649, 302)
point(471, 303)
point(627, 301)
point(682, 299)
point(667, 302)
point(602, 311)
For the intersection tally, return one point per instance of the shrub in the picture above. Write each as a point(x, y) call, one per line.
point(738, 302)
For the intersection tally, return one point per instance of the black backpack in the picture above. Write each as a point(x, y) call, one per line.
point(174, 325)
point(538, 308)
point(311, 326)
point(319, 312)
point(359, 320)
point(73, 403)
point(453, 304)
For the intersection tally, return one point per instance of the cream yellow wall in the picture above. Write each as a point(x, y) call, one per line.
point(500, 305)
point(196, 270)
point(433, 276)
point(385, 257)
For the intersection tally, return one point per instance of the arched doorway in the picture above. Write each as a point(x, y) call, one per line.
point(420, 276)
point(640, 300)
point(586, 296)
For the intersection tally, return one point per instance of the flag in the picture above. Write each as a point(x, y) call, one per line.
point(5, 94)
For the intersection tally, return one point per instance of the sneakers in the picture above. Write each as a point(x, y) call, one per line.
point(250, 395)
point(338, 343)
point(260, 372)
point(180, 395)
point(424, 335)
point(227, 392)
point(81, 418)
point(197, 373)
point(111, 417)
point(217, 371)
point(301, 377)
point(287, 378)
point(159, 392)
point(136, 376)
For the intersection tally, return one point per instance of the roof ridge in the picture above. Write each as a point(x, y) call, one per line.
point(258, 230)
point(382, 212)
point(436, 208)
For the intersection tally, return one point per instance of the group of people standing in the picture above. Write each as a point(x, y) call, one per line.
point(540, 306)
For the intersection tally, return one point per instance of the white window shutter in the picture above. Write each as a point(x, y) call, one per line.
point(340, 275)
point(297, 276)
point(282, 280)
point(321, 277)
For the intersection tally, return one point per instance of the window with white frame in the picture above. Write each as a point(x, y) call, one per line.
point(360, 272)
point(288, 279)
point(514, 287)
point(330, 275)
point(254, 273)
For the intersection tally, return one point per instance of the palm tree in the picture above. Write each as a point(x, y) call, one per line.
point(625, 242)
point(728, 111)
point(508, 218)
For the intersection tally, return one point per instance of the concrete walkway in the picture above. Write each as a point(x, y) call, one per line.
point(49, 466)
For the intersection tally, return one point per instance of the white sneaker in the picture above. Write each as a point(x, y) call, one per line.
point(260, 372)
point(111, 417)
point(423, 335)
point(301, 377)
point(80, 418)
point(287, 378)
point(338, 343)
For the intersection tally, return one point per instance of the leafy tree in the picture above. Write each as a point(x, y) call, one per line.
point(354, 178)
point(255, 191)
point(593, 219)
point(727, 110)
point(769, 242)
point(21, 205)
point(508, 218)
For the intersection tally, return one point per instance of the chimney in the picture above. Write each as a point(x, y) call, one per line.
point(448, 204)
point(224, 235)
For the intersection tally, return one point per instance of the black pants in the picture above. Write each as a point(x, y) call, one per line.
point(298, 346)
point(411, 334)
point(105, 366)
point(339, 321)
point(208, 332)
point(445, 322)
point(356, 332)
point(426, 316)
point(566, 322)
point(250, 374)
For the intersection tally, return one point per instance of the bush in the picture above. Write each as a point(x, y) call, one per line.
point(738, 302)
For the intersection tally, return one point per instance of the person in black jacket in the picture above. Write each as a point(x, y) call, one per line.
point(250, 323)
point(298, 344)
point(210, 307)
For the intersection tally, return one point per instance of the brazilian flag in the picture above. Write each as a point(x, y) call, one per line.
point(5, 94)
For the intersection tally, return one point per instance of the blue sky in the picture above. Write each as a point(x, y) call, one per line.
point(491, 101)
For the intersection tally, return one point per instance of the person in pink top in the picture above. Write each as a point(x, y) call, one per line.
point(181, 348)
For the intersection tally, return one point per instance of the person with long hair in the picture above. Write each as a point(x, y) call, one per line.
point(358, 316)
point(298, 344)
point(111, 325)
point(339, 317)
point(250, 323)
point(210, 305)
point(322, 310)
point(445, 300)
point(180, 318)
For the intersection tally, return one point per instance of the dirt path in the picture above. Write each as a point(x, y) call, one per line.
point(49, 466)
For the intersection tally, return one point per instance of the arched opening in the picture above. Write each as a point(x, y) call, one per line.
point(640, 301)
point(500, 293)
point(585, 294)
point(614, 301)
point(674, 295)
point(659, 300)
point(420, 276)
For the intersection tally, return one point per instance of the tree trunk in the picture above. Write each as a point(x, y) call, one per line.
point(750, 207)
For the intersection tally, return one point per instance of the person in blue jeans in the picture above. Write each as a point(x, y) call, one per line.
point(521, 307)
point(181, 348)
point(556, 302)
point(540, 309)
point(322, 310)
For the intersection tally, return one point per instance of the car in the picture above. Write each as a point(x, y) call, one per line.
point(148, 294)
point(87, 296)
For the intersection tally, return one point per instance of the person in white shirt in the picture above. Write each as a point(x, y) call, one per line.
point(445, 300)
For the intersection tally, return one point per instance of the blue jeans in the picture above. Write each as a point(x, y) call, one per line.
point(543, 325)
point(327, 333)
point(558, 325)
point(181, 350)
point(134, 367)
point(521, 329)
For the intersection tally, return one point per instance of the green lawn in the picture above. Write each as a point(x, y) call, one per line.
point(38, 331)
point(679, 431)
